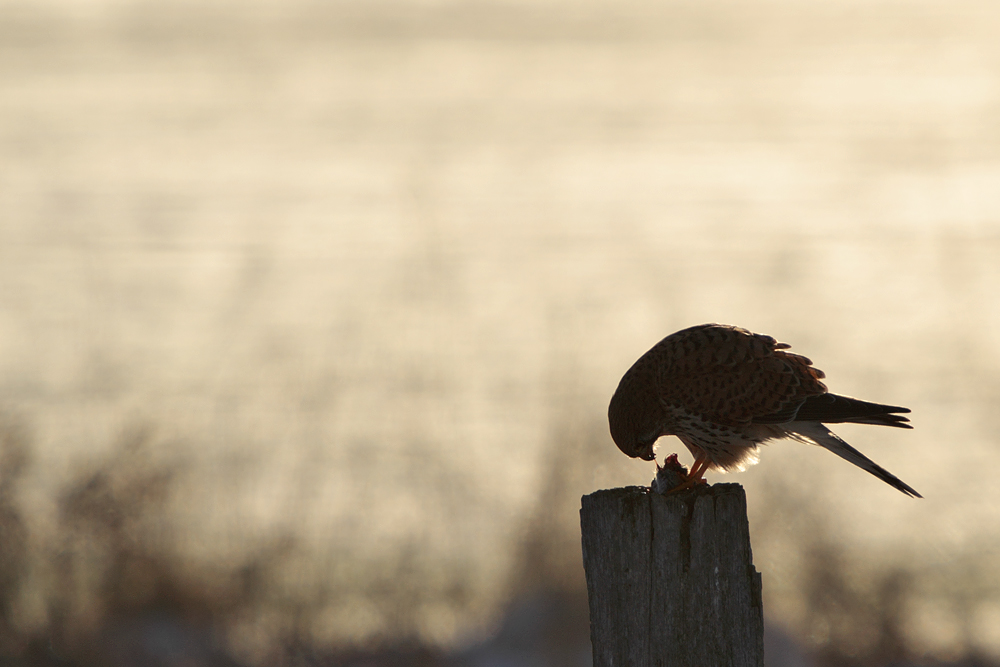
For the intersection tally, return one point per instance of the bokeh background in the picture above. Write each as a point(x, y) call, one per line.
point(310, 313)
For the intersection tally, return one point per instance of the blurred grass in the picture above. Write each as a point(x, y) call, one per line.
point(309, 313)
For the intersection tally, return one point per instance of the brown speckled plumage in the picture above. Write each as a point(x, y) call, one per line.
point(723, 390)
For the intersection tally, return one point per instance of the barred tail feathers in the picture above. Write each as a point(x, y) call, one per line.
point(816, 433)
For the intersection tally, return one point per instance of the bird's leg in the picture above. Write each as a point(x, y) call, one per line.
point(698, 469)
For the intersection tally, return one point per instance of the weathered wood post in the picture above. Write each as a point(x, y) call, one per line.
point(671, 579)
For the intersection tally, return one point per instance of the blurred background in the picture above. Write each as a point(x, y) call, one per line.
point(310, 313)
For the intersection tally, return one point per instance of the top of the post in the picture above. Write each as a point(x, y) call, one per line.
point(698, 491)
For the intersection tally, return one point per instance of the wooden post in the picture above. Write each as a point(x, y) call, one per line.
point(670, 579)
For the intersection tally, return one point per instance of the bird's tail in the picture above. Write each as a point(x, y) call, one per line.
point(817, 434)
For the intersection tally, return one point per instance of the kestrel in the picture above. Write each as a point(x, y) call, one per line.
point(724, 390)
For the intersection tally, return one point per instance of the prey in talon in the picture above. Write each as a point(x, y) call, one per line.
point(669, 477)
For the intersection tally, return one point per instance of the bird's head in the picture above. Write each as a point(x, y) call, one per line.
point(636, 422)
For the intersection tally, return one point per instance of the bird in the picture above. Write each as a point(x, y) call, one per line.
point(668, 476)
point(724, 391)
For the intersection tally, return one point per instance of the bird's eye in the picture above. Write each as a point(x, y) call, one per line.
point(646, 444)
point(648, 440)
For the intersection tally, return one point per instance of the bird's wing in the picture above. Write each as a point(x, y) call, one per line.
point(835, 409)
point(732, 376)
